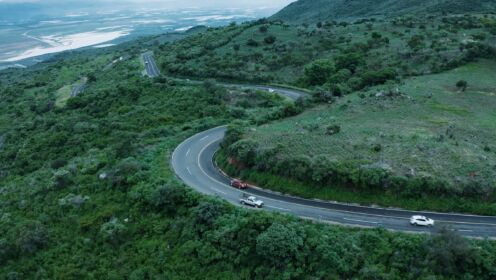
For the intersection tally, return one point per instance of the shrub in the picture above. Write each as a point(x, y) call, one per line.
point(208, 211)
point(317, 72)
point(61, 179)
point(280, 243)
point(126, 172)
point(372, 78)
point(323, 95)
point(234, 133)
point(333, 129)
point(450, 253)
point(350, 61)
point(32, 237)
point(269, 40)
point(416, 42)
point(113, 232)
point(462, 85)
point(244, 151)
point(252, 43)
point(167, 198)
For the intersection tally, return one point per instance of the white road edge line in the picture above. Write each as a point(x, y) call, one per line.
point(315, 207)
point(360, 221)
point(325, 209)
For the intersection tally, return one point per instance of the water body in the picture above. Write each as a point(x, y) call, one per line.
point(22, 42)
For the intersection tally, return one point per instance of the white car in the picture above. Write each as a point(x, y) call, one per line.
point(252, 201)
point(418, 220)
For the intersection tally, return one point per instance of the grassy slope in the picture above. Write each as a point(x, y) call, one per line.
point(450, 135)
point(312, 11)
point(212, 54)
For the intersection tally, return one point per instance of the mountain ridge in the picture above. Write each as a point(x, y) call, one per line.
point(308, 11)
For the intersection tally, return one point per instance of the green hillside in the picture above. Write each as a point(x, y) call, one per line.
point(271, 52)
point(423, 144)
point(311, 11)
point(86, 190)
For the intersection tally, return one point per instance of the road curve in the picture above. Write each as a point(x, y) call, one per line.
point(192, 161)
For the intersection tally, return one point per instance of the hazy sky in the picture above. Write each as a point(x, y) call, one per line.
point(171, 3)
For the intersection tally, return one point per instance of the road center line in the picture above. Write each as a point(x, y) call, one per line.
point(360, 221)
point(278, 208)
point(189, 171)
point(204, 138)
point(217, 190)
point(187, 153)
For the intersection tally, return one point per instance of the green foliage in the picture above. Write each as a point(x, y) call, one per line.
point(113, 231)
point(252, 43)
point(280, 244)
point(462, 85)
point(269, 40)
point(317, 72)
point(244, 151)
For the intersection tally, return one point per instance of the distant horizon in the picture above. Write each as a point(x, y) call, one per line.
point(158, 4)
point(35, 29)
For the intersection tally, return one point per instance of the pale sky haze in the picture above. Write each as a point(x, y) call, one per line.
point(169, 3)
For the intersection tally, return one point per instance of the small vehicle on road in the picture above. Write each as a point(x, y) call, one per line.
point(418, 220)
point(239, 184)
point(251, 201)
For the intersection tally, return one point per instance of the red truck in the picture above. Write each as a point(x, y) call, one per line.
point(239, 184)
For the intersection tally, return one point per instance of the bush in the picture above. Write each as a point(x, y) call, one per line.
point(252, 43)
point(113, 232)
point(350, 61)
point(450, 253)
point(280, 243)
point(61, 179)
point(323, 95)
point(244, 151)
point(372, 78)
point(208, 211)
point(167, 198)
point(317, 72)
point(32, 237)
point(462, 85)
point(333, 129)
point(269, 40)
point(234, 133)
point(126, 173)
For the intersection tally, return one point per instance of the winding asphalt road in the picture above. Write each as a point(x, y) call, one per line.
point(192, 162)
point(150, 66)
